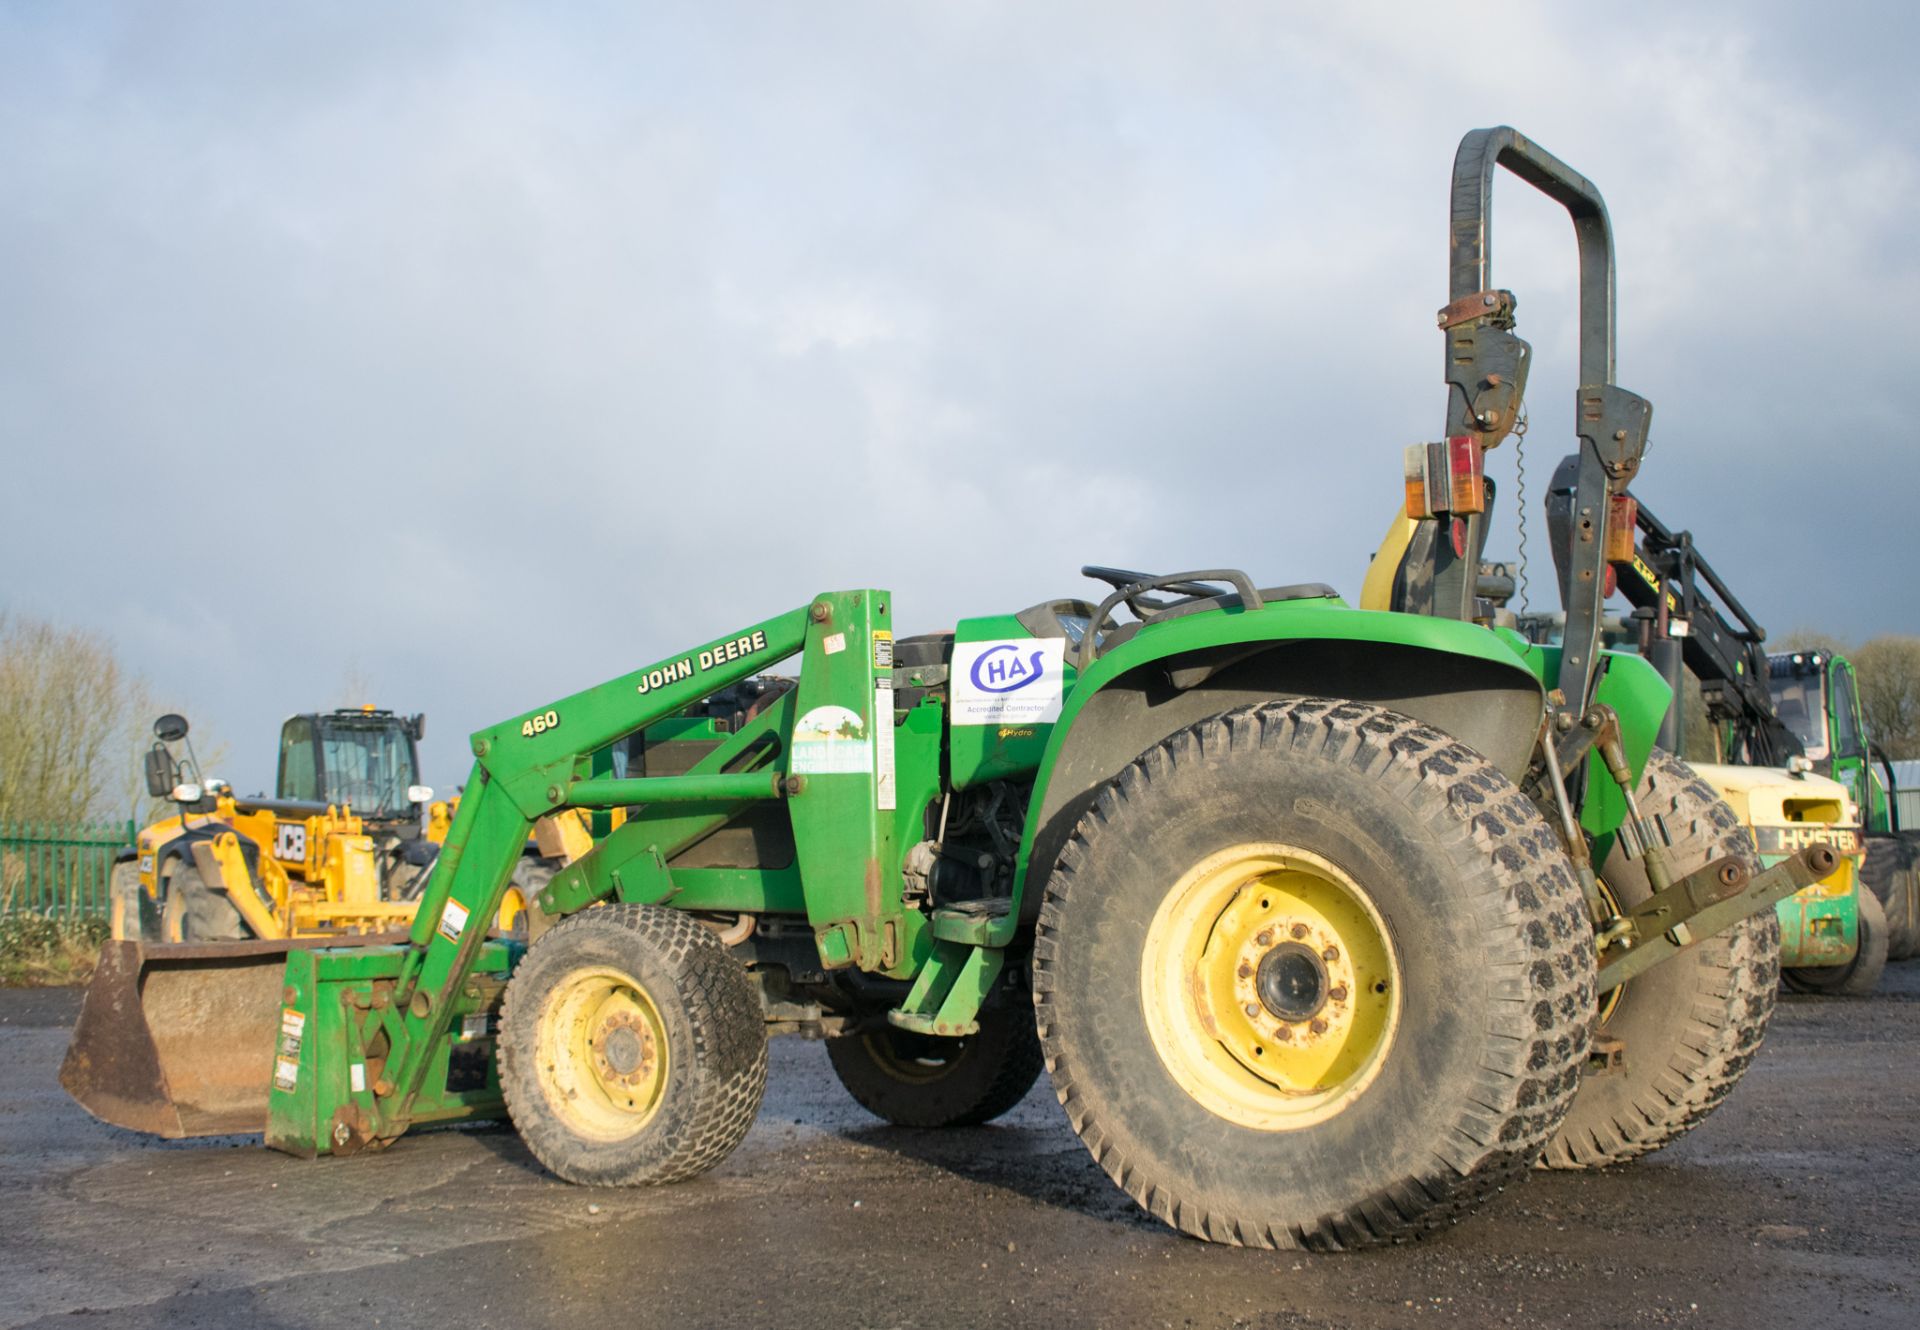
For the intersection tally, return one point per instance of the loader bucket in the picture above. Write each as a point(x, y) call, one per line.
point(177, 1038)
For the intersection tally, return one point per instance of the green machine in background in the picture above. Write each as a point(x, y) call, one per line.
point(1686, 619)
point(1818, 698)
point(1326, 923)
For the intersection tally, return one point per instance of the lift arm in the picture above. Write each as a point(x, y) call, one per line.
point(405, 1006)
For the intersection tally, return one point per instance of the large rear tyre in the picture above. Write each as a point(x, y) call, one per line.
point(1691, 1024)
point(195, 912)
point(633, 1049)
point(1860, 976)
point(1312, 974)
point(916, 1080)
point(1888, 873)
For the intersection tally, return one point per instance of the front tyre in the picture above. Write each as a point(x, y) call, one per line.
point(633, 1048)
point(1313, 974)
point(195, 912)
point(1690, 1025)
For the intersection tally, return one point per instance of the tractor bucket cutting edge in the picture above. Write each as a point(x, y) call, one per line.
point(177, 1038)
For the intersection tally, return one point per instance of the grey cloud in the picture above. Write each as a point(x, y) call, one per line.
point(488, 351)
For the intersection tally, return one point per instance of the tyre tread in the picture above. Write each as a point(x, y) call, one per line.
point(1739, 975)
point(729, 1052)
point(1524, 1087)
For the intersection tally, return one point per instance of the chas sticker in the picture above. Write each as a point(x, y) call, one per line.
point(1008, 682)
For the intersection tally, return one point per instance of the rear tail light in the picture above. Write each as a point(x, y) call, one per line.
point(1623, 520)
point(1446, 477)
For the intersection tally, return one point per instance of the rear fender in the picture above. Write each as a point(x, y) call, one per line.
point(1457, 677)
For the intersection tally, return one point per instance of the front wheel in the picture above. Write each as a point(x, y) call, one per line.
point(633, 1049)
point(195, 912)
point(1313, 974)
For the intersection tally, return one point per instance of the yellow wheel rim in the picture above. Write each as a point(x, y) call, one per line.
point(512, 906)
point(601, 1051)
point(1271, 988)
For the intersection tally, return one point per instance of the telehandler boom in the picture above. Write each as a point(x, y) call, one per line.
point(1296, 902)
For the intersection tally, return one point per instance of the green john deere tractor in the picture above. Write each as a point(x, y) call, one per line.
point(1325, 923)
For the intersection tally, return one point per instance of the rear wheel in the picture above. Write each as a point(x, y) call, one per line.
point(633, 1049)
point(1690, 1025)
point(1888, 873)
point(195, 912)
point(1312, 974)
point(1860, 976)
point(917, 1080)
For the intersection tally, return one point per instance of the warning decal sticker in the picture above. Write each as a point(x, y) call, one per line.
point(883, 782)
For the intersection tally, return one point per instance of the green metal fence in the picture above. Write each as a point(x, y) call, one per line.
point(58, 870)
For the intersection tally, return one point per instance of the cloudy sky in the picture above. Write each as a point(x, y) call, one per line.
point(471, 354)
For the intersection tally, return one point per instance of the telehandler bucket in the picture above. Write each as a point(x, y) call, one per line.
point(178, 1038)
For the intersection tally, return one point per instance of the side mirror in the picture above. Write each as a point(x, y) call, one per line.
point(170, 728)
point(161, 770)
point(417, 726)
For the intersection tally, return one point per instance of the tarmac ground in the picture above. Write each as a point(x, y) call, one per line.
point(1796, 1204)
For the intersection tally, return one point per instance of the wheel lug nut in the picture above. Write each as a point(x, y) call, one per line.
point(1245, 971)
point(1317, 1025)
point(1283, 1033)
point(1264, 937)
point(1330, 955)
point(1299, 930)
point(1252, 1010)
point(1338, 993)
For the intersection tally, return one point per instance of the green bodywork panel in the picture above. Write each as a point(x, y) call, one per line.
point(337, 1010)
point(1640, 698)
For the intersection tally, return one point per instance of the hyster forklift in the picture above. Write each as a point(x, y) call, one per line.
point(1325, 923)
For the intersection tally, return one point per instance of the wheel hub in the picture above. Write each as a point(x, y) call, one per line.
point(1292, 982)
point(623, 1048)
point(602, 1053)
point(1270, 985)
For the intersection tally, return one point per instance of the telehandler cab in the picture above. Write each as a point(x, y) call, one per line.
point(1296, 903)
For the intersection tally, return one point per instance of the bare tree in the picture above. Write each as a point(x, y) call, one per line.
point(64, 703)
point(1889, 670)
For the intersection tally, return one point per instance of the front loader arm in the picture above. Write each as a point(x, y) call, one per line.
point(529, 766)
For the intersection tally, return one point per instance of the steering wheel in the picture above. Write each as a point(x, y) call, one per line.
point(1121, 578)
